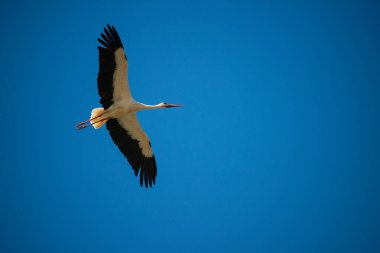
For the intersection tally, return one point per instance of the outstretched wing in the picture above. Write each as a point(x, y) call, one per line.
point(113, 69)
point(133, 142)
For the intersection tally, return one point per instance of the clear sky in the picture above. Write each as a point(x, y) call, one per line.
point(277, 149)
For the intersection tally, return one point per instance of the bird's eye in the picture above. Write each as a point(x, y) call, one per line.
point(165, 103)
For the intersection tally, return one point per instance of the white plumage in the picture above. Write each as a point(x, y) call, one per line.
point(119, 108)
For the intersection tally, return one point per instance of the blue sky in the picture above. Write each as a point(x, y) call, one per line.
point(277, 149)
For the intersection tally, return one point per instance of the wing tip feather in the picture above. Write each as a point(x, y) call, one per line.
point(112, 37)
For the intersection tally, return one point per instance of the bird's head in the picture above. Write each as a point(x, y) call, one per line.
point(167, 105)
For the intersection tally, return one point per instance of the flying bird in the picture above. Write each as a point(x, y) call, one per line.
point(119, 109)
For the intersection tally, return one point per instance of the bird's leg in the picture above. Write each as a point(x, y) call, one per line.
point(79, 127)
point(86, 121)
point(87, 124)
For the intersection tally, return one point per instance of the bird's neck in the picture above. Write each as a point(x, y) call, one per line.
point(142, 106)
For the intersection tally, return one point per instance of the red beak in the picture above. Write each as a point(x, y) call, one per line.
point(172, 105)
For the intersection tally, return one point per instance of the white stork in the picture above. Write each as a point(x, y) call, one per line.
point(119, 108)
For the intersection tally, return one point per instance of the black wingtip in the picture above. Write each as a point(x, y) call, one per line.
point(146, 180)
point(103, 43)
point(141, 177)
point(148, 171)
point(110, 39)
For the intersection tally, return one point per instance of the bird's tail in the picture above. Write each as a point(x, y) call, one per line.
point(97, 121)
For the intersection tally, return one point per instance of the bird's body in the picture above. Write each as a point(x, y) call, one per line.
point(119, 108)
